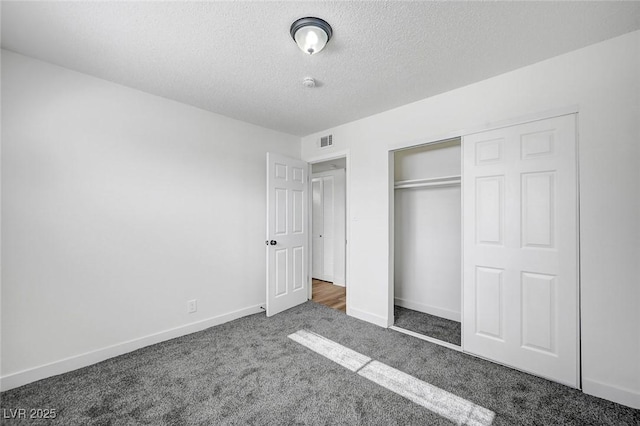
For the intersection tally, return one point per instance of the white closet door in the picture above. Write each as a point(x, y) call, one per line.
point(520, 247)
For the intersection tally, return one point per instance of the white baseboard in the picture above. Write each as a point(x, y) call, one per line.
point(327, 278)
point(24, 377)
point(330, 279)
point(613, 393)
point(368, 316)
point(339, 281)
point(427, 309)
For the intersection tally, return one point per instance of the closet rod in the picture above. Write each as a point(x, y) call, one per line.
point(432, 182)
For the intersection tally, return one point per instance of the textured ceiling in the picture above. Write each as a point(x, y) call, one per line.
point(237, 58)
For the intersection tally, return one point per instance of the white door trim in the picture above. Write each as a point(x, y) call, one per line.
point(391, 243)
point(339, 181)
point(334, 155)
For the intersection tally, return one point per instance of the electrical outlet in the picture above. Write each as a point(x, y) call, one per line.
point(192, 306)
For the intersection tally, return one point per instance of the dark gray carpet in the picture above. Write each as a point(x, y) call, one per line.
point(248, 372)
point(428, 325)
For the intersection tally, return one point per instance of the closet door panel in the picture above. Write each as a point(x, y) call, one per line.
point(539, 312)
point(489, 212)
point(489, 302)
point(521, 218)
point(538, 210)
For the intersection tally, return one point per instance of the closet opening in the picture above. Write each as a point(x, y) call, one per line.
point(328, 233)
point(427, 285)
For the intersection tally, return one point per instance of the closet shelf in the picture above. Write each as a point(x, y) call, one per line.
point(431, 182)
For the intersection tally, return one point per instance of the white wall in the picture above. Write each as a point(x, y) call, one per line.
point(428, 161)
point(603, 80)
point(428, 232)
point(428, 251)
point(117, 208)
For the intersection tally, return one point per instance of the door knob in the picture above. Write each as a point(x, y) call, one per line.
point(273, 242)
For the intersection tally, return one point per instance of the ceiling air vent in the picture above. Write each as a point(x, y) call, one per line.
point(326, 141)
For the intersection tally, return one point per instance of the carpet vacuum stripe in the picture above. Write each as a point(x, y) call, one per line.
point(439, 401)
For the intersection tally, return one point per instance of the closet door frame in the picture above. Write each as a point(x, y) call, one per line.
point(334, 155)
point(402, 145)
point(391, 303)
point(338, 220)
point(317, 265)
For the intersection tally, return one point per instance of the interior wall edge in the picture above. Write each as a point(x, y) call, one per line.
point(21, 378)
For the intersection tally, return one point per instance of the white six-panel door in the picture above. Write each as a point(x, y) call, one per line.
point(287, 233)
point(520, 251)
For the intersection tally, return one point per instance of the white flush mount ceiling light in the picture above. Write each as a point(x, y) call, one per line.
point(311, 34)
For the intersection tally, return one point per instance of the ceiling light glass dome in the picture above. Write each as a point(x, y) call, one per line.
point(311, 34)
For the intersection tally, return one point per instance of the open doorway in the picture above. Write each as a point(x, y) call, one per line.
point(427, 242)
point(329, 233)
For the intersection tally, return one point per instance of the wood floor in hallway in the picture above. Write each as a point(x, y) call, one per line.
point(333, 296)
